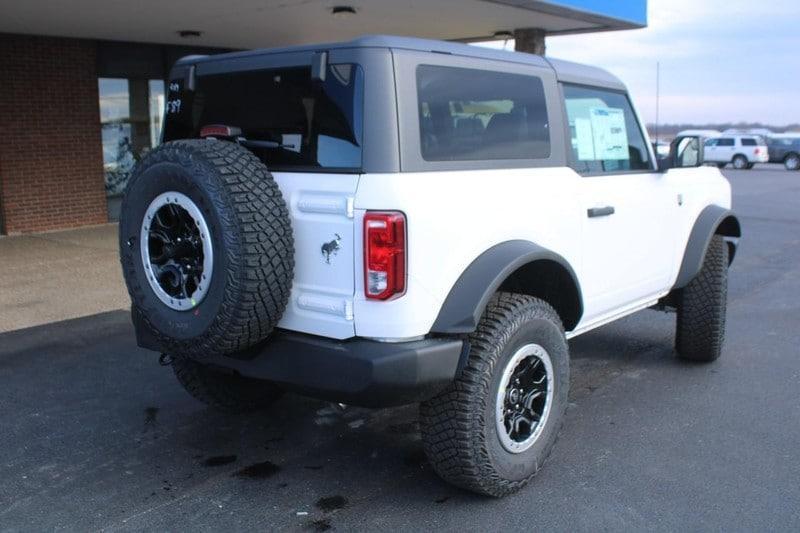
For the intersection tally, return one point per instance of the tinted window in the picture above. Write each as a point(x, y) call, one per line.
point(724, 142)
point(604, 133)
point(318, 125)
point(710, 142)
point(749, 142)
point(468, 115)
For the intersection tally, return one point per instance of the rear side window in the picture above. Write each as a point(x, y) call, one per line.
point(725, 142)
point(470, 114)
point(604, 133)
point(749, 142)
point(317, 125)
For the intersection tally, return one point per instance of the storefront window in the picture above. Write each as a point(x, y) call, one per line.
point(131, 116)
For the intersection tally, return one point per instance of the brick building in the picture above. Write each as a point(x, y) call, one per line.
point(82, 84)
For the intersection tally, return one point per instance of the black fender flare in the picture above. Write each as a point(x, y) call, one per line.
point(713, 220)
point(464, 305)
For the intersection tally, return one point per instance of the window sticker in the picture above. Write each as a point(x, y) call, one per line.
point(584, 140)
point(608, 133)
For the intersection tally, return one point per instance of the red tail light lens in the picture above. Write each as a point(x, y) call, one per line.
point(219, 130)
point(384, 254)
point(758, 151)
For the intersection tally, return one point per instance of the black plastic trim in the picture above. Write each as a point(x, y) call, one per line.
point(709, 223)
point(464, 305)
point(355, 371)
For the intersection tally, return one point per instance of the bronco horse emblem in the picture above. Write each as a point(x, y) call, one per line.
point(331, 248)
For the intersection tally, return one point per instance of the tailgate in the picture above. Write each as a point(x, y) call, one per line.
point(321, 210)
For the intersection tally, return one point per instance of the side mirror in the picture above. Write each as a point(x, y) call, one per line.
point(684, 152)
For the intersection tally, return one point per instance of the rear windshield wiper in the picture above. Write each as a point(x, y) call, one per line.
point(263, 144)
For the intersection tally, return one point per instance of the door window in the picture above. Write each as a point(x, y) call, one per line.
point(605, 136)
point(725, 142)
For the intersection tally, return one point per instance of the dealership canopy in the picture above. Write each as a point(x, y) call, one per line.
point(265, 23)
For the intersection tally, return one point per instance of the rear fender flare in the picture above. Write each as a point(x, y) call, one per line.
point(464, 305)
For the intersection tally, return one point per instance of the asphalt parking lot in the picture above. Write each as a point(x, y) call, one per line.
point(95, 435)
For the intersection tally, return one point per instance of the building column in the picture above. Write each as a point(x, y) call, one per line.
point(530, 40)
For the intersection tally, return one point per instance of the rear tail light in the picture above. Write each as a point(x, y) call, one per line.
point(384, 254)
point(219, 130)
point(758, 151)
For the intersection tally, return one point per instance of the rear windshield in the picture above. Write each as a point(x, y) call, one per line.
point(314, 125)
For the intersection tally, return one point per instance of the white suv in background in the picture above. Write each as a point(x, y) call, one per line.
point(742, 151)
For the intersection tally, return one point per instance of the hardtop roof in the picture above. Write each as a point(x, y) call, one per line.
point(566, 71)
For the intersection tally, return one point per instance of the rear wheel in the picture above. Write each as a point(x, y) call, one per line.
point(224, 391)
point(739, 162)
point(493, 428)
point(701, 305)
point(792, 162)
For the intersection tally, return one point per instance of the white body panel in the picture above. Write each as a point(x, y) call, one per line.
point(452, 218)
point(623, 262)
point(321, 210)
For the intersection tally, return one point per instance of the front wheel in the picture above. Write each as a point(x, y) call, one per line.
point(493, 428)
point(740, 162)
point(702, 304)
point(792, 162)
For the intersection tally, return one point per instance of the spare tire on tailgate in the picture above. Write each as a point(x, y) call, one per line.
point(206, 247)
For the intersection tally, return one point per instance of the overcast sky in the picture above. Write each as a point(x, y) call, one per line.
point(721, 60)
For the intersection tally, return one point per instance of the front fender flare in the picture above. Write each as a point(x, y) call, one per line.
point(464, 305)
point(713, 220)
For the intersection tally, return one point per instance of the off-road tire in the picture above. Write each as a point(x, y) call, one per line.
point(701, 306)
point(458, 426)
point(227, 392)
point(253, 246)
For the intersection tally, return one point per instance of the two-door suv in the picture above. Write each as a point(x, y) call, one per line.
point(394, 220)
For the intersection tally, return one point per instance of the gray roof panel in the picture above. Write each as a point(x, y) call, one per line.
point(570, 72)
point(565, 70)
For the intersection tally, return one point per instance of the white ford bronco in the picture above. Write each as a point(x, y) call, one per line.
point(392, 220)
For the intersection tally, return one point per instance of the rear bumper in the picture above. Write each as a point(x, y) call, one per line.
point(355, 371)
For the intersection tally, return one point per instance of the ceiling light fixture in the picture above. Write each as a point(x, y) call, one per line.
point(341, 12)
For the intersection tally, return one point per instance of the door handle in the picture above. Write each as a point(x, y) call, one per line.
point(600, 211)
